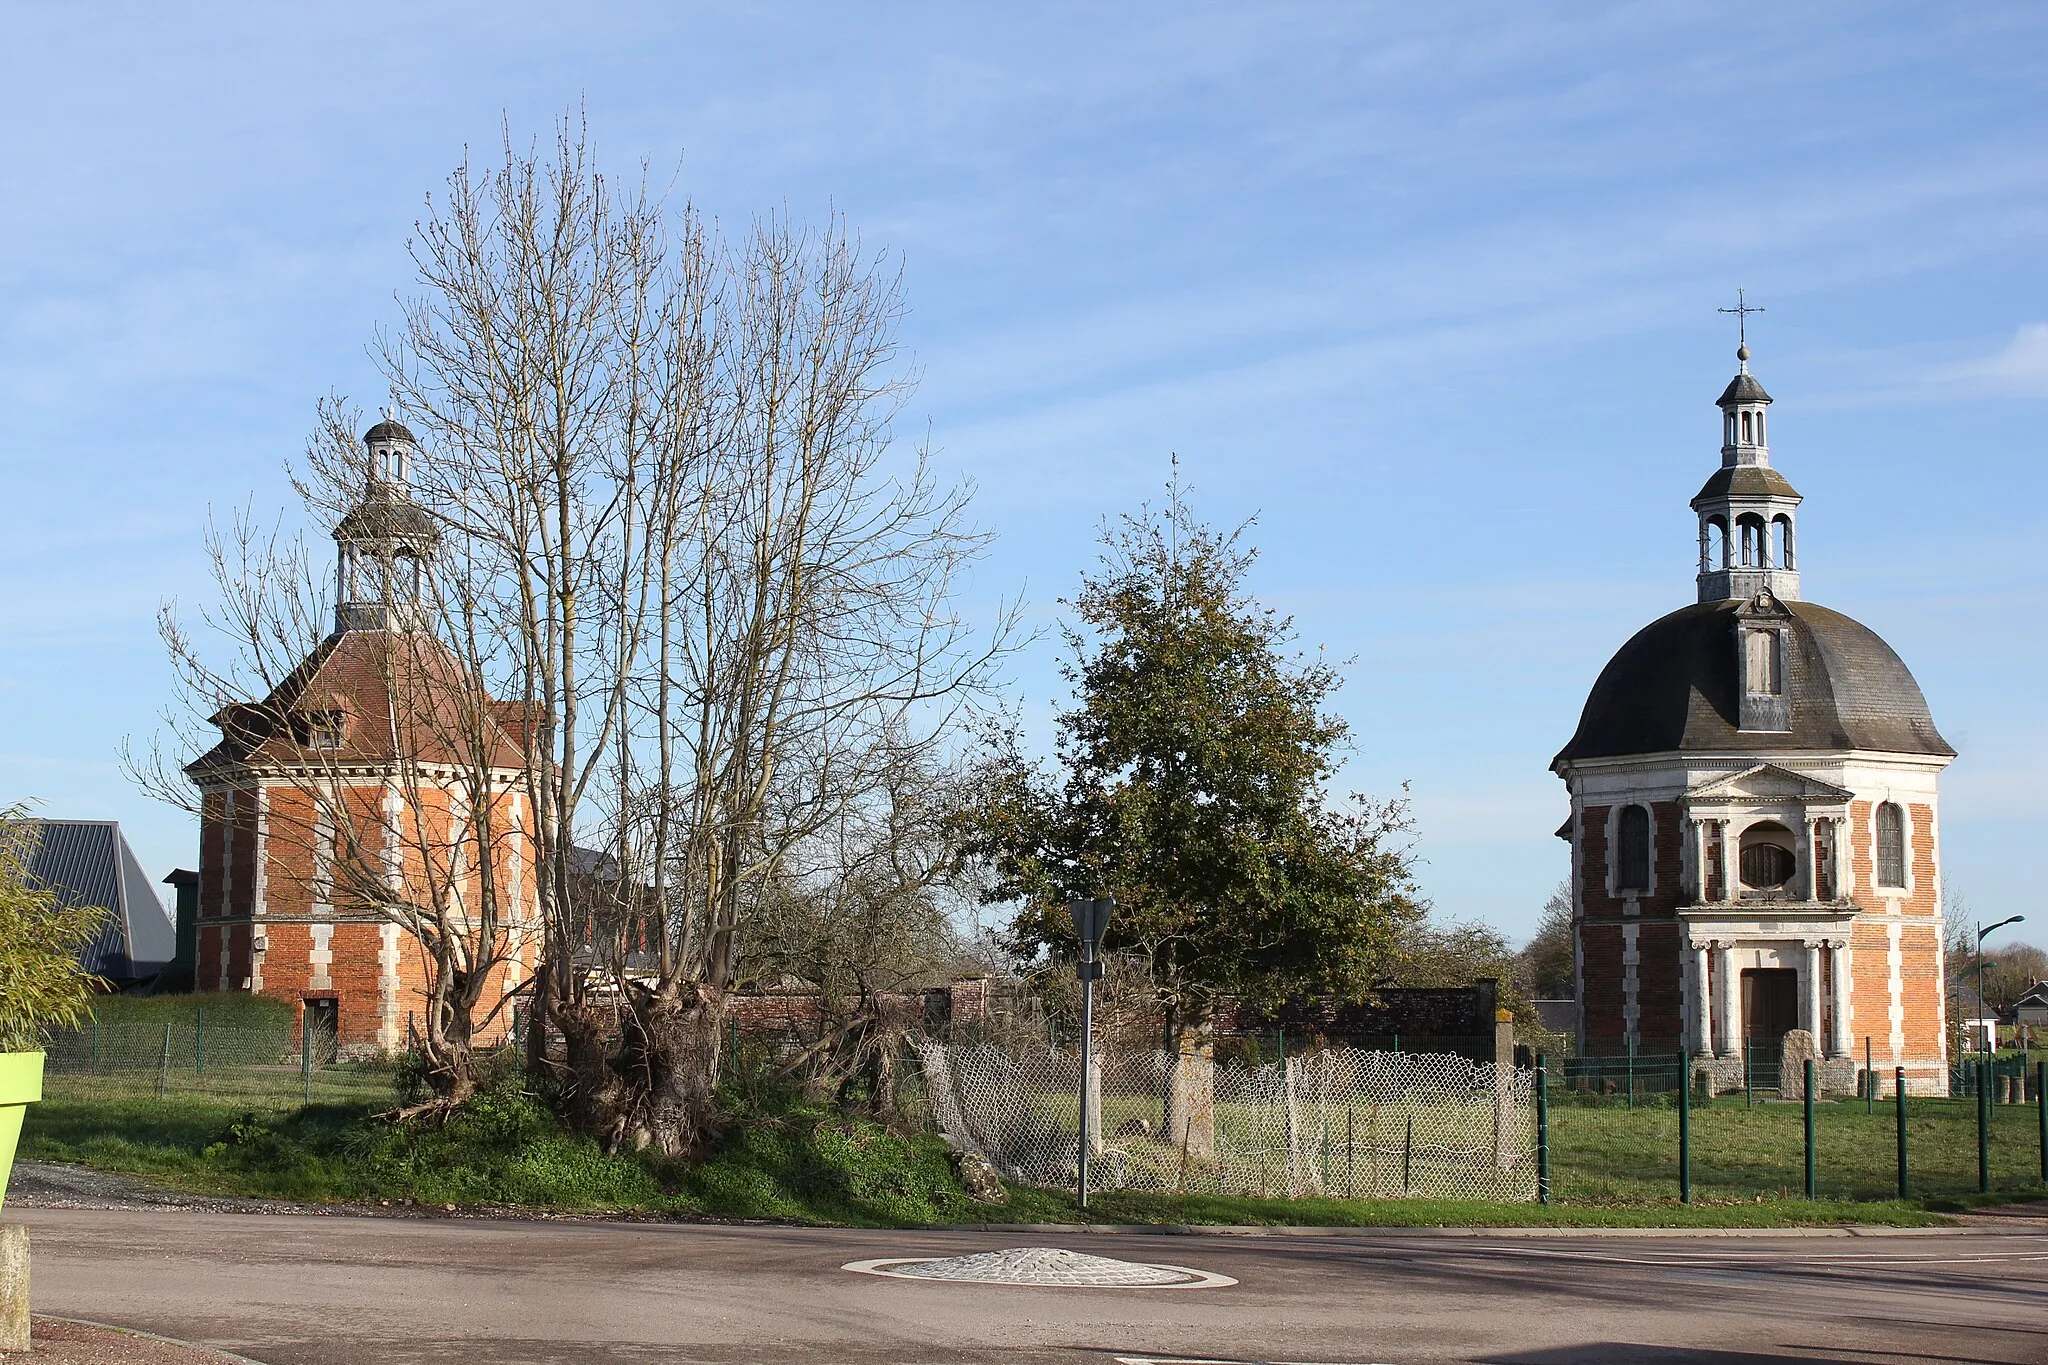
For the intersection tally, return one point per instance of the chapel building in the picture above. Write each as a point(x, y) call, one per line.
point(348, 795)
point(1755, 824)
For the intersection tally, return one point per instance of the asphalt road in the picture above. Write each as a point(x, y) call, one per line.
point(294, 1289)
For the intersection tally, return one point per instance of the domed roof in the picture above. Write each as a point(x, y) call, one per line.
point(388, 430)
point(386, 513)
point(1746, 481)
point(1672, 687)
point(1743, 388)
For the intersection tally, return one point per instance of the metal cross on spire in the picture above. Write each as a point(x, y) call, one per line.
point(1741, 310)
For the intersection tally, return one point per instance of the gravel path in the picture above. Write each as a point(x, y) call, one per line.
point(58, 1341)
point(50, 1185)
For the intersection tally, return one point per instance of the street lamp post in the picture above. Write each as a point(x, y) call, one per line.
point(1991, 1041)
point(1091, 918)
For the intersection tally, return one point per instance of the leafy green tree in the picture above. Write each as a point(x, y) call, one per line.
point(42, 984)
point(1192, 782)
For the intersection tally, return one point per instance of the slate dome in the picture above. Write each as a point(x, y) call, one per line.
point(388, 430)
point(1672, 688)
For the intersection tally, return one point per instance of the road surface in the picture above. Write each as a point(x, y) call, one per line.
point(303, 1289)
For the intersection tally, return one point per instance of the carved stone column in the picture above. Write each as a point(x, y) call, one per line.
point(1731, 1002)
point(1809, 992)
point(1702, 1041)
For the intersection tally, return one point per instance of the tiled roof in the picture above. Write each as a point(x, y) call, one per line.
point(1746, 481)
point(1743, 388)
point(390, 689)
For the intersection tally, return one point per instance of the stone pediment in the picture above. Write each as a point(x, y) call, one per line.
point(1766, 782)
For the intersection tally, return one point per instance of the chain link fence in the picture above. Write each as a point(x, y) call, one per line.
point(1344, 1123)
point(258, 1066)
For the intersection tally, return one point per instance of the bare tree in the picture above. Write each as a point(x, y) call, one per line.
point(719, 593)
point(863, 913)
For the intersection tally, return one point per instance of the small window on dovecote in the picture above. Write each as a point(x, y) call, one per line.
point(318, 729)
point(1633, 874)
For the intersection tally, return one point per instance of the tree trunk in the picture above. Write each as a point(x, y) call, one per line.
point(1190, 1101)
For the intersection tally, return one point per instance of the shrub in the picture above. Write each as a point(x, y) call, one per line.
point(42, 984)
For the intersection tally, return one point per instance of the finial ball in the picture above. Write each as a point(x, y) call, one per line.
point(1742, 353)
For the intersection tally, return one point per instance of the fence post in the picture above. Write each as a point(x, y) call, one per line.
point(1684, 1126)
point(1630, 1097)
point(1542, 1131)
point(2041, 1105)
point(163, 1070)
point(1869, 1080)
point(1748, 1089)
point(1350, 1168)
point(1809, 1127)
point(1983, 1126)
point(199, 1040)
point(95, 1043)
point(1408, 1160)
point(306, 1056)
point(1899, 1082)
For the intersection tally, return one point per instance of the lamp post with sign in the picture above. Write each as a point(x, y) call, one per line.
point(1091, 918)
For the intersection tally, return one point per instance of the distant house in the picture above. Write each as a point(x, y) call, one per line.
point(88, 862)
point(2032, 1007)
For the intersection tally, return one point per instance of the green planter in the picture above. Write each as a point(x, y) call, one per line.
point(21, 1085)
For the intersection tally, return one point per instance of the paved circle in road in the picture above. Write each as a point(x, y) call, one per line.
point(1051, 1267)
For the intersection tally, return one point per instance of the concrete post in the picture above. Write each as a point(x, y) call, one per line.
point(13, 1288)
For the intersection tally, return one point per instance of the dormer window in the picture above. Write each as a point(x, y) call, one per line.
point(1765, 659)
point(318, 729)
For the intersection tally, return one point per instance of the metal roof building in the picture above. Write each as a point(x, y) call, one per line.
point(88, 862)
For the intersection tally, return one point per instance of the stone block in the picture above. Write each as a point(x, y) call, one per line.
point(13, 1288)
point(1794, 1053)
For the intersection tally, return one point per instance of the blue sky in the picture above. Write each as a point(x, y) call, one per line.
point(1429, 289)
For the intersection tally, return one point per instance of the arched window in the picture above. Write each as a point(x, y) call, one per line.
point(1759, 426)
point(1891, 845)
point(1750, 530)
point(1634, 869)
point(1781, 538)
point(1767, 861)
point(1745, 428)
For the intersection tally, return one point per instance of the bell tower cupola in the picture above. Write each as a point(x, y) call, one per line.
point(1748, 511)
point(385, 542)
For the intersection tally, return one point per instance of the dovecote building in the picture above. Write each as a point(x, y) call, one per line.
point(1755, 823)
point(374, 794)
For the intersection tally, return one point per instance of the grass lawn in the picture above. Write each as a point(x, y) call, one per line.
point(1605, 1154)
point(1612, 1167)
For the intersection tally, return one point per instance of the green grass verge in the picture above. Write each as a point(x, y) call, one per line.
point(505, 1149)
point(1613, 1167)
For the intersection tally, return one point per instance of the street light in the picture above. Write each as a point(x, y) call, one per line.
point(1091, 918)
point(1990, 1042)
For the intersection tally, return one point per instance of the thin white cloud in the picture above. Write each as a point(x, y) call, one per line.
point(2019, 369)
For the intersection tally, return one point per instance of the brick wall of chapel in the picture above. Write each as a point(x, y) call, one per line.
point(1921, 994)
point(1602, 926)
point(1659, 983)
